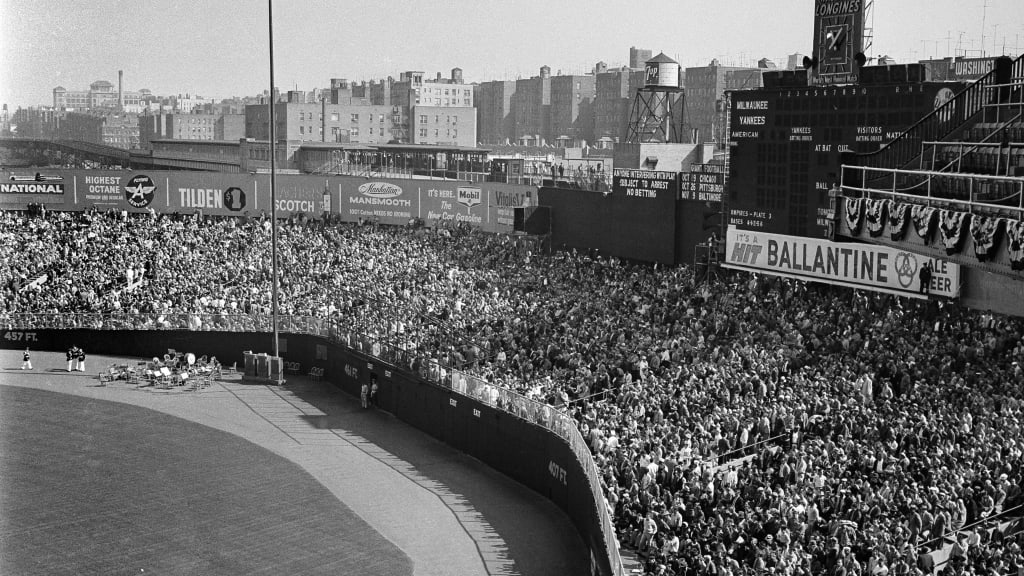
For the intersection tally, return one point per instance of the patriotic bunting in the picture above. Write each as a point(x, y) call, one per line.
point(952, 228)
point(876, 214)
point(985, 232)
point(1015, 243)
point(854, 214)
point(899, 215)
point(924, 221)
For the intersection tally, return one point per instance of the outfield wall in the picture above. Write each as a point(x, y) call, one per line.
point(486, 205)
point(522, 450)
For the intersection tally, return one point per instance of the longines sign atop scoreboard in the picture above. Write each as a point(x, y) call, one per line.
point(838, 38)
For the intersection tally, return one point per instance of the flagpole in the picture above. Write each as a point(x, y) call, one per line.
point(273, 183)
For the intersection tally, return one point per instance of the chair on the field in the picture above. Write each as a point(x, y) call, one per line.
point(165, 377)
point(108, 375)
point(202, 378)
point(139, 371)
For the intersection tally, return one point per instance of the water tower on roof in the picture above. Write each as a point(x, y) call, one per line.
point(657, 112)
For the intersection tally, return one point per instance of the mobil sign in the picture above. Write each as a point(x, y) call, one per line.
point(446, 203)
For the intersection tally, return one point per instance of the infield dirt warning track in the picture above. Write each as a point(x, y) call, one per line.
point(248, 479)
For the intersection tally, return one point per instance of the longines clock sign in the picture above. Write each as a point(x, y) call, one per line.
point(838, 38)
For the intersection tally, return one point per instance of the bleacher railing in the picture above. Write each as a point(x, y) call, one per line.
point(941, 122)
point(435, 366)
point(939, 540)
point(992, 194)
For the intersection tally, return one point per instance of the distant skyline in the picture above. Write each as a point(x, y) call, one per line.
point(219, 48)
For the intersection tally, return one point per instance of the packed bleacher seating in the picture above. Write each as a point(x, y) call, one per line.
point(750, 426)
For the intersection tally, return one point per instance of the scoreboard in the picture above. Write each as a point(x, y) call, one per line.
point(786, 145)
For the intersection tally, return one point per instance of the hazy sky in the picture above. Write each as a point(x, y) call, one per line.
point(219, 48)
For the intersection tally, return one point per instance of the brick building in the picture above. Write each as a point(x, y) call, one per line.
point(496, 121)
point(449, 126)
point(706, 109)
point(352, 121)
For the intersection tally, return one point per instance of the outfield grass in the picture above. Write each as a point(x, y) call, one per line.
point(95, 487)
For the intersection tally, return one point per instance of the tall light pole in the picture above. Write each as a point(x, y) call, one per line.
point(273, 182)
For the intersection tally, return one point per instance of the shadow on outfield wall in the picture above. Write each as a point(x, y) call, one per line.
point(527, 441)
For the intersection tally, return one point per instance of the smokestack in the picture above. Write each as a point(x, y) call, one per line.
point(120, 89)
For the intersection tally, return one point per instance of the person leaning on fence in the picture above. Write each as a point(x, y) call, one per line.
point(364, 393)
point(373, 389)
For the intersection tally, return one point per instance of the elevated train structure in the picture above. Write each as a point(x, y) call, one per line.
point(247, 155)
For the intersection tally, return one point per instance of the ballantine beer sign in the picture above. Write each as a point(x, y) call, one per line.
point(868, 266)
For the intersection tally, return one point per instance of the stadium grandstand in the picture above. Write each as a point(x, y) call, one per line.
point(746, 426)
point(727, 423)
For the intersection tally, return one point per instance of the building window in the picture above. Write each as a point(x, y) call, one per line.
point(423, 132)
point(334, 116)
point(353, 131)
point(381, 118)
point(355, 118)
point(302, 129)
point(371, 130)
point(423, 119)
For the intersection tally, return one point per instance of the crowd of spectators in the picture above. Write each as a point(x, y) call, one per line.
point(747, 426)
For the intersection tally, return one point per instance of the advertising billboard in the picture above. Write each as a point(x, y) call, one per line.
point(487, 205)
point(867, 266)
point(838, 38)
